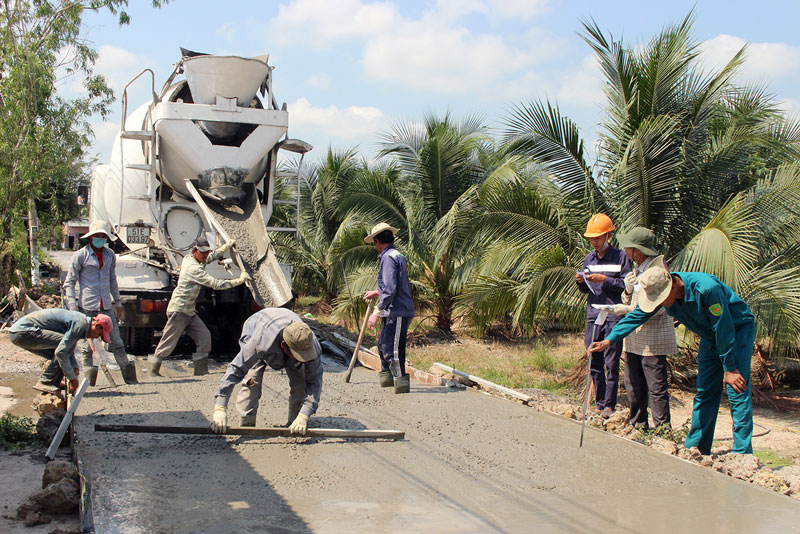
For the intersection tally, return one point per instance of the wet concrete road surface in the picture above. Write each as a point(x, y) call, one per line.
point(470, 463)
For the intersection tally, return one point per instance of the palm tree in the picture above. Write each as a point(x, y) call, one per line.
point(321, 253)
point(433, 164)
point(687, 154)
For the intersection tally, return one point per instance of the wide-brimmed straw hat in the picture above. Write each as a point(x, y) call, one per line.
point(378, 228)
point(300, 340)
point(641, 238)
point(655, 284)
point(99, 227)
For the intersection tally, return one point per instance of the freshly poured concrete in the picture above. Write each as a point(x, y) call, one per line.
point(470, 463)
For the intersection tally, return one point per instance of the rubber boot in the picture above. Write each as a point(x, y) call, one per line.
point(129, 373)
point(154, 366)
point(386, 379)
point(402, 384)
point(91, 375)
point(200, 363)
point(248, 420)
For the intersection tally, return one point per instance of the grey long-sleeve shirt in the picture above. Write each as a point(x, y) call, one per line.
point(74, 325)
point(96, 283)
point(261, 340)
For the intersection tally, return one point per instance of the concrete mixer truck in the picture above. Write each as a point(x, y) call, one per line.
point(199, 159)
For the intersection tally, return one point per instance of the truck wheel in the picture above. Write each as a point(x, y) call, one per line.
point(139, 340)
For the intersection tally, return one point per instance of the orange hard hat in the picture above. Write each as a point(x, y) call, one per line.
point(599, 224)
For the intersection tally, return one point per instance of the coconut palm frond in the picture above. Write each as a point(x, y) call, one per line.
point(539, 131)
point(727, 247)
point(773, 295)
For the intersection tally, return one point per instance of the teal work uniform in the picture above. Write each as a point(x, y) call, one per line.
point(727, 330)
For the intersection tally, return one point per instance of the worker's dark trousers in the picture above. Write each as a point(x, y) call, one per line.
point(392, 342)
point(43, 343)
point(709, 392)
point(646, 379)
point(604, 366)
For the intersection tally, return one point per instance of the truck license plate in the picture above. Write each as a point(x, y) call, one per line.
point(138, 234)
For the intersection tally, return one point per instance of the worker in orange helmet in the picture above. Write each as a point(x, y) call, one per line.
point(602, 277)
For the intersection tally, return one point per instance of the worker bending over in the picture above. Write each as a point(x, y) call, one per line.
point(278, 338)
point(181, 314)
point(53, 334)
point(726, 328)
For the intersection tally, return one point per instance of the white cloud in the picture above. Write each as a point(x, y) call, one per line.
point(583, 86)
point(119, 66)
point(227, 31)
point(350, 123)
point(790, 106)
point(517, 9)
point(522, 9)
point(104, 136)
point(764, 61)
point(452, 60)
point(318, 82)
point(319, 22)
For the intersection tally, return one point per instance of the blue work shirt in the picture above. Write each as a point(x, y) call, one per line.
point(96, 283)
point(394, 287)
point(709, 308)
point(74, 325)
point(615, 265)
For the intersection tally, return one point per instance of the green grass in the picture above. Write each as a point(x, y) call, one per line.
point(772, 458)
point(307, 300)
point(17, 432)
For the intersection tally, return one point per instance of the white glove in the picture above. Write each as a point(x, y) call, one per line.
point(622, 309)
point(299, 425)
point(244, 277)
point(227, 246)
point(219, 423)
point(630, 281)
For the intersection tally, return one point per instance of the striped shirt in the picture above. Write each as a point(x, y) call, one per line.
point(656, 337)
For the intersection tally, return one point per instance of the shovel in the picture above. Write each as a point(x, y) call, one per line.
point(600, 320)
point(358, 343)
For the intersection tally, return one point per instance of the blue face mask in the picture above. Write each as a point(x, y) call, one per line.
point(99, 242)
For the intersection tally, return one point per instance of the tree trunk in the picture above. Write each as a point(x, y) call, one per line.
point(33, 241)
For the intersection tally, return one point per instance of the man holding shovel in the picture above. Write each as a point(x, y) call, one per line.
point(726, 328)
point(602, 277)
point(276, 337)
point(394, 306)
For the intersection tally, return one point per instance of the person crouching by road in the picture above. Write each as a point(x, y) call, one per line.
point(53, 334)
point(181, 314)
point(727, 330)
point(602, 277)
point(394, 306)
point(646, 349)
point(93, 268)
point(278, 338)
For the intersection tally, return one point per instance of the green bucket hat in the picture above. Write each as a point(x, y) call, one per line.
point(641, 238)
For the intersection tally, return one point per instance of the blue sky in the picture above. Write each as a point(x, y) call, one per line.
point(349, 69)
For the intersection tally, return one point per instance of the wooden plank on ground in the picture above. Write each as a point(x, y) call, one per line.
point(485, 383)
point(62, 428)
point(264, 432)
